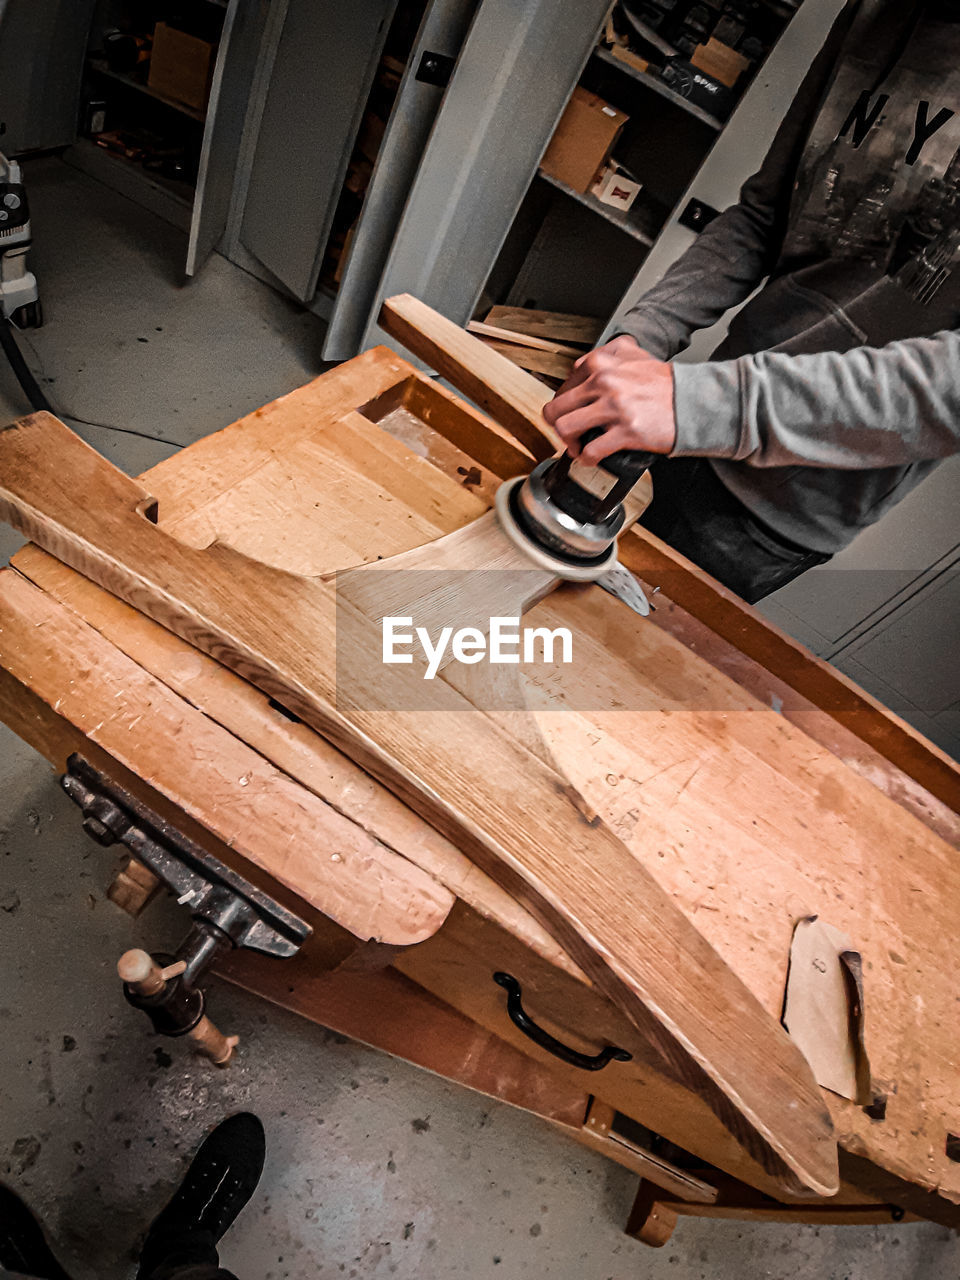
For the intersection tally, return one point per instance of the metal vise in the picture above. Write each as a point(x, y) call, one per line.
point(226, 910)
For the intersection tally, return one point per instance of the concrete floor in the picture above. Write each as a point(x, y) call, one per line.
point(374, 1168)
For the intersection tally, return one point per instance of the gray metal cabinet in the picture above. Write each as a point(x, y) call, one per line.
point(42, 44)
point(516, 71)
point(420, 97)
point(321, 72)
point(244, 25)
point(887, 609)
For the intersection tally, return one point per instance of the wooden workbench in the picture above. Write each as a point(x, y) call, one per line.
point(750, 816)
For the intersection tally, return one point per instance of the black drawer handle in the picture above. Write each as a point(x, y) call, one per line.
point(545, 1040)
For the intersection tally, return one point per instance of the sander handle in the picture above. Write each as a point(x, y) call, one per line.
point(626, 464)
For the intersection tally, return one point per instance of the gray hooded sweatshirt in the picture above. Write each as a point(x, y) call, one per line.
point(838, 387)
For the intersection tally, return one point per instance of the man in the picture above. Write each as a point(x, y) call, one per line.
point(838, 387)
point(182, 1241)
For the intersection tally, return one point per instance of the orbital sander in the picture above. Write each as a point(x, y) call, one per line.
point(567, 516)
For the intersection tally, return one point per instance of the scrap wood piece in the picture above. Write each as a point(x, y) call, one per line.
point(486, 330)
point(560, 326)
point(516, 400)
point(547, 362)
point(454, 766)
point(134, 887)
point(823, 1008)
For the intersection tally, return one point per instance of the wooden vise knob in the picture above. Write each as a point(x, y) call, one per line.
point(143, 976)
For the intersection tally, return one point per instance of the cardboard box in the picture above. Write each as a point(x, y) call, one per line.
point(181, 66)
point(587, 131)
point(615, 188)
point(720, 61)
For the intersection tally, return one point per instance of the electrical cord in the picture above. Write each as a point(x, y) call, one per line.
point(39, 402)
point(127, 431)
point(22, 371)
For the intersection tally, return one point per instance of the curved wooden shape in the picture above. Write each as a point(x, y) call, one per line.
point(510, 813)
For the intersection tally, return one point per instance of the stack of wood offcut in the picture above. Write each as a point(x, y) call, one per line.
point(545, 342)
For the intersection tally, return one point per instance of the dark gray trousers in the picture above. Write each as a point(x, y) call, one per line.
point(699, 517)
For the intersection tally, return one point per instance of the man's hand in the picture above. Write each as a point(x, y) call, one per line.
point(623, 389)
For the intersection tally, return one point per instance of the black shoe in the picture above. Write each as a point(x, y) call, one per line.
point(221, 1179)
point(23, 1246)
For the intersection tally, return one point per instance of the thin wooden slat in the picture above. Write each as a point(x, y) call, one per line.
point(505, 336)
point(455, 767)
point(558, 325)
point(546, 362)
point(516, 399)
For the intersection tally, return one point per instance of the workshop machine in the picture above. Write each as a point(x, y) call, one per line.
point(19, 295)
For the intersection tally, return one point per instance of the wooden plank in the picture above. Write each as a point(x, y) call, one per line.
point(447, 418)
point(463, 579)
point(516, 400)
point(291, 746)
point(492, 932)
point(653, 1217)
point(58, 672)
point(827, 688)
point(557, 325)
point(508, 338)
point(489, 379)
point(221, 462)
point(134, 887)
point(554, 366)
point(478, 786)
point(389, 1012)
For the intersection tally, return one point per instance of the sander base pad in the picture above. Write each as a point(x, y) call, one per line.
point(539, 555)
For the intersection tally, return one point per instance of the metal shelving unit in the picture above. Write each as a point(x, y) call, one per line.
point(638, 222)
point(656, 85)
point(100, 68)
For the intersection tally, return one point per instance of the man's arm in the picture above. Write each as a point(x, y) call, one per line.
point(731, 256)
point(869, 407)
point(852, 410)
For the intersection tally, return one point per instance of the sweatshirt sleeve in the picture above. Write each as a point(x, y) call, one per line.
point(869, 407)
point(732, 255)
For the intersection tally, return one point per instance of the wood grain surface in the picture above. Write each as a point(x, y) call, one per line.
point(516, 400)
point(744, 894)
point(501, 804)
point(557, 325)
point(509, 394)
point(130, 718)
